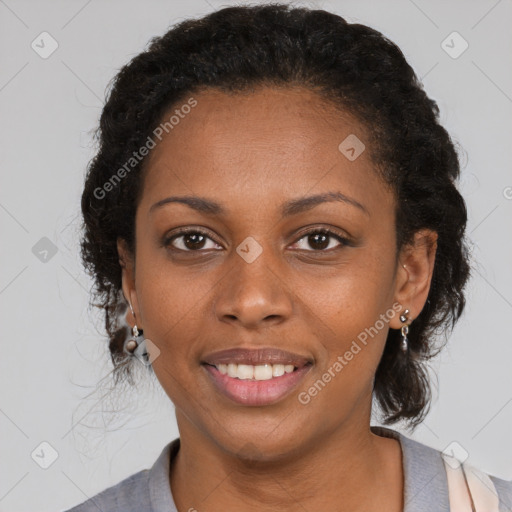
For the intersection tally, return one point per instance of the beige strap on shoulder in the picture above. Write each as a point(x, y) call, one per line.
point(469, 489)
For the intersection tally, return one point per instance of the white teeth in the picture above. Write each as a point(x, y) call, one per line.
point(232, 370)
point(245, 371)
point(277, 370)
point(257, 372)
point(263, 372)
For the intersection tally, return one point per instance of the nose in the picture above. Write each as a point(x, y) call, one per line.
point(253, 295)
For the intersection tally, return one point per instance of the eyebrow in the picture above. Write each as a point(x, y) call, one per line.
point(293, 207)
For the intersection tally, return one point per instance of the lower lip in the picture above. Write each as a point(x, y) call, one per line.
point(256, 392)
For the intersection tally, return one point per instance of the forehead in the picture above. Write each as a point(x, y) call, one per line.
point(263, 144)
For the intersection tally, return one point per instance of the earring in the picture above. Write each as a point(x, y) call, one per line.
point(136, 346)
point(405, 331)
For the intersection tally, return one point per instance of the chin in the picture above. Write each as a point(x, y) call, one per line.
point(266, 441)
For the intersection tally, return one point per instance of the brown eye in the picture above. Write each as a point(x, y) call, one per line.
point(190, 241)
point(194, 241)
point(320, 240)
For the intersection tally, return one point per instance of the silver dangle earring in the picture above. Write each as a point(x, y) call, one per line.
point(405, 331)
point(136, 346)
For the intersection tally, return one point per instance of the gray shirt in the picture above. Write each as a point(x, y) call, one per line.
point(425, 483)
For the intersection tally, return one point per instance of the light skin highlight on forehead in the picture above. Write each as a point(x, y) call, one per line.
point(296, 150)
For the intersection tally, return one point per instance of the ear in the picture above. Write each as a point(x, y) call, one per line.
point(414, 274)
point(127, 262)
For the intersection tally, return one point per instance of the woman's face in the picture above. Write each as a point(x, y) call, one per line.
point(271, 198)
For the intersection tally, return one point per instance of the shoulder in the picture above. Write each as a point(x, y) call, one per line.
point(428, 476)
point(129, 495)
point(146, 490)
point(504, 491)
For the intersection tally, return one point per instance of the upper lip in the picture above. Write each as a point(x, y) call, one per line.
point(255, 357)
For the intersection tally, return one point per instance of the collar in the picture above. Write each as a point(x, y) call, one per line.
point(425, 484)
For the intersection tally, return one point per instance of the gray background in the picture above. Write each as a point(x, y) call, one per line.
point(53, 353)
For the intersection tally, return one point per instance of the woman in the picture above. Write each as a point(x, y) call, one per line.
point(273, 213)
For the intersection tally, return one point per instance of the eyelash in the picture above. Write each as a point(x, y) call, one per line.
point(167, 242)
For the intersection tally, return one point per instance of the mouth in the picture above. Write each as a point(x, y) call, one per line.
point(254, 372)
point(256, 377)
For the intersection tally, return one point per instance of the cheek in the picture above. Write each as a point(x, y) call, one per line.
point(171, 311)
point(351, 311)
point(351, 297)
point(351, 315)
point(170, 303)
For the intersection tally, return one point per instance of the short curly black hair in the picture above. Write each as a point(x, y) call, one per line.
point(353, 66)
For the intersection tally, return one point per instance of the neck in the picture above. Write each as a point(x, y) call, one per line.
point(335, 472)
